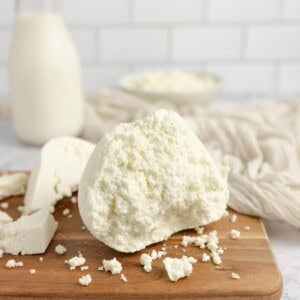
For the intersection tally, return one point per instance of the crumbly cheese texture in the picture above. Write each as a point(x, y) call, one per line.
point(85, 280)
point(57, 172)
point(4, 218)
point(112, 265)
point(28, 234)
point(13, 184)
point(75, 262)
point(149, 179)
point(178, 268)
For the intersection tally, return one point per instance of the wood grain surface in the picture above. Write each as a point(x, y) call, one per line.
point(250, 256)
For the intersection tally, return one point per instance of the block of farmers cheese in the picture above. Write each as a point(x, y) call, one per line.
point(149, 179)
point(57, 172)
point(28, 234)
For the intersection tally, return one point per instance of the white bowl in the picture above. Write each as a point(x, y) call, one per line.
point(203, 95)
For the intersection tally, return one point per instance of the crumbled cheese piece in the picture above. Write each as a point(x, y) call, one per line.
point(123, 277)
point(1, 253)
point(153, 254)
point(161, 253)
point(28, 234)
point(85, 280)
point(216, 258)
point(84, 268)
point(184, 250)
point(75, 261)
point(20, 208)
point(175, 246)
point(74, 200)
point(32, 271)
point(101, 268)
point(233, 218)
point(225, 214)
point(164, 248)
point(60, 249)
point(179, 267)
point(70, 216)
point(197, 240)
point(235, 276)
point(4, 205)
point(247, 228)
point(83, 228)
point(13, 184)
point(112, 265)
point(11, 263)
point(199, 229)
point(146, 261)
point(41, 258)
point(172, 158)
point(205, 257)
point(65, 212)
point(235, 234)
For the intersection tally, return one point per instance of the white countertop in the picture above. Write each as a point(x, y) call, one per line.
point(285, 240)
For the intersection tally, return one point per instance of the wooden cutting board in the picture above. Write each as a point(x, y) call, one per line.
point(250, 256)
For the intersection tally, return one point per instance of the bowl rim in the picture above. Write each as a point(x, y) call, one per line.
point(123, 83)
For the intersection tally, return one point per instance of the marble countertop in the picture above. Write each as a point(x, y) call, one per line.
point(285, 240)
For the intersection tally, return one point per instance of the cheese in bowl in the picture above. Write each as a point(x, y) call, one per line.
point(177, 86)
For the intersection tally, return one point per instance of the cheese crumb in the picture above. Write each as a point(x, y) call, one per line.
point(75, 261)
point(65, 212)
point(112, 265)
point(146, 261)
point(123, 277)
point(4, 205)
point(216, 258)
point(233, 218)
point(235, 276)
point(205, 257)
point(83, 228)
point(225, 214)
point(153, 254)
point(179, 267)
point(60, 249)
point(20, 208)
point(235, 234)
point(32, 271)
point(41, 258)
point(11, 263)
point(199, 230)
point(84, 268)
point(247, 228)
point(85, 280)
point(74, 200)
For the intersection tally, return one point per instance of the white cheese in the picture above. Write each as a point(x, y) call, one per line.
point(233, 218)
point(205, 257)
point(226, 214)
point(112, 265)
point(235, 276)
point(85, 280)
point(41, 258)
point(57, 172)
point(216, 258)
point(235, 234)
point(247, 228)
point(123, 277)
point(60, 249)
point(74, 200)
point(13, 185)
point(199, 229)
point(65, 212)
point(149, 179)
point(11, 263)
point(32, 271)
point(28, 234)
point(4, 218)
point(179, 267)
point(84, 268)
point(1, 253)
point(162, 253)
point(75, 262)
point(4, 205)
point(146, 262)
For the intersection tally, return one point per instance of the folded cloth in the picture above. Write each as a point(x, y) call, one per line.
point(260, 144)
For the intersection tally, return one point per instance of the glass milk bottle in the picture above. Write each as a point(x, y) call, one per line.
point(44, 67)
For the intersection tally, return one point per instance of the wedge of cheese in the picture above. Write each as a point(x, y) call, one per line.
point(29, 234)
point(149, 179)
point(57, 172)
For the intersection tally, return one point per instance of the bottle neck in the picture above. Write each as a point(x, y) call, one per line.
point(37, 6)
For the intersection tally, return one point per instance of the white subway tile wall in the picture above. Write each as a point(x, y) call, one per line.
point(253, 44)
